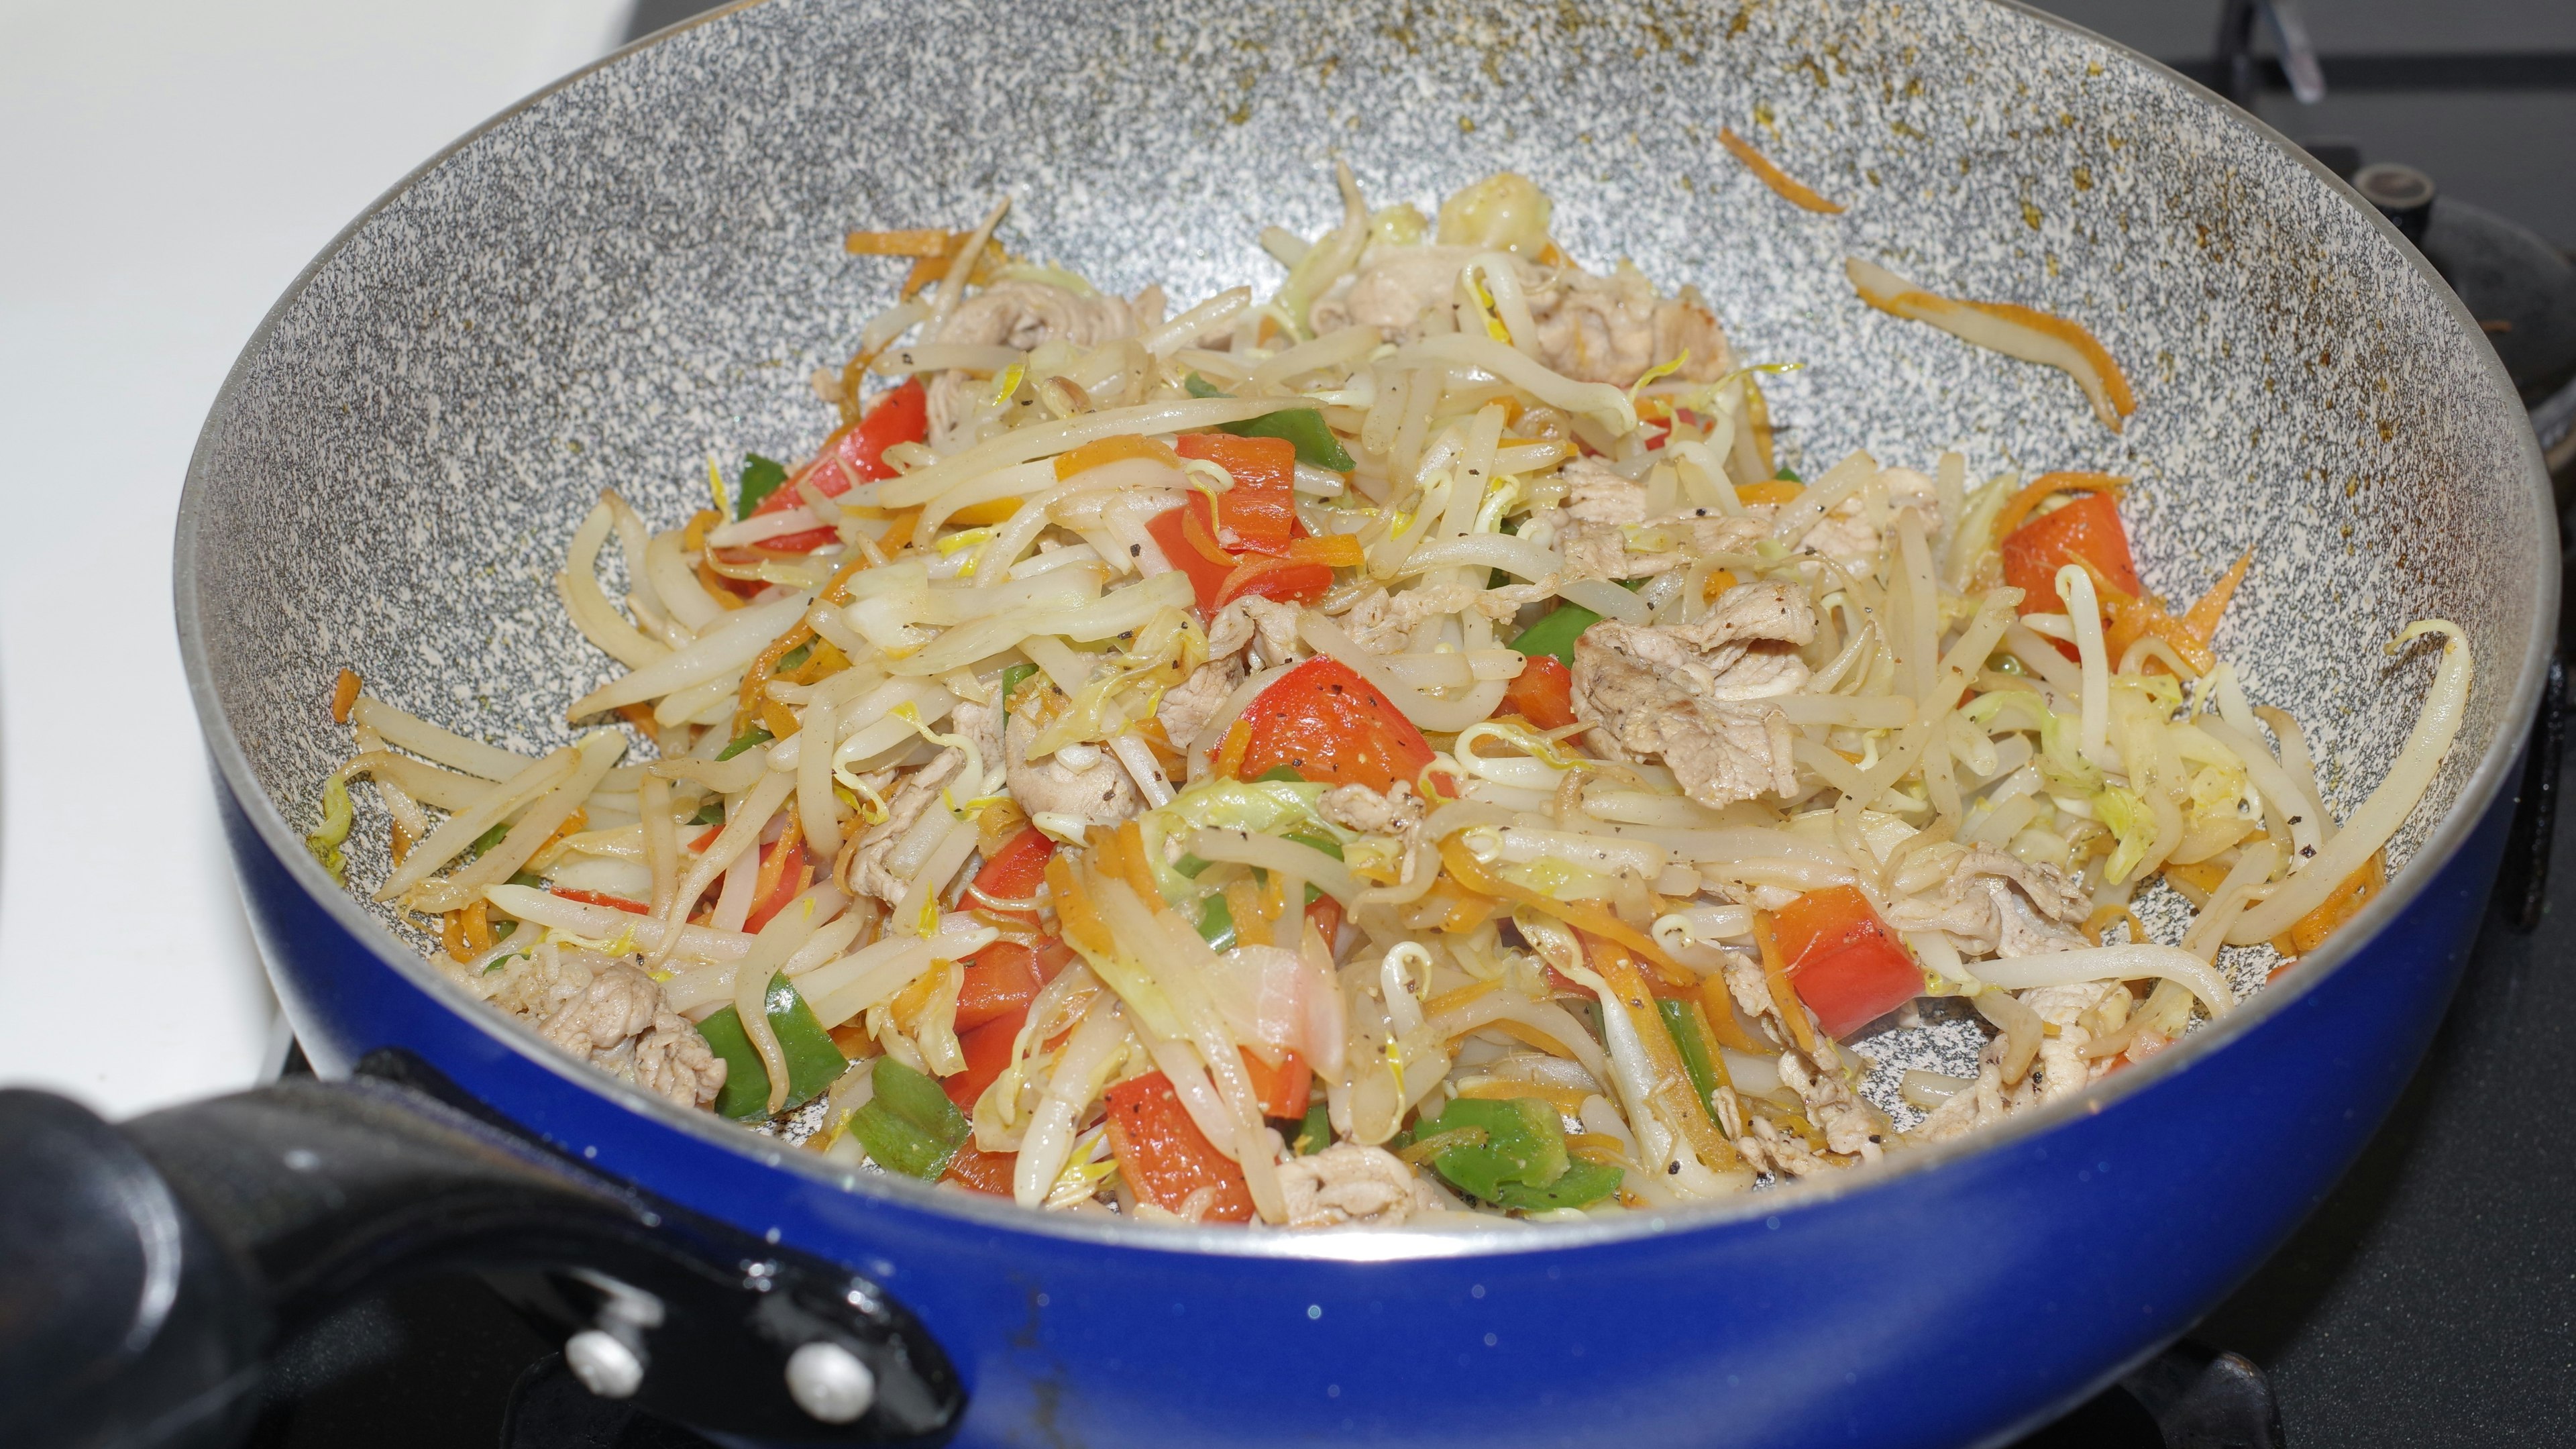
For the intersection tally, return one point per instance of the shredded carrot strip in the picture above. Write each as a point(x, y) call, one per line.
point(1718, 581)
point(1131, 864)
point(1670, 1094)
point(1101, 451)
point(1243, 902)
point(1720, 1006)
point(1229, 755)
point(2203, 616)
point(1784, 997)
point(1582, 915)
point(924, 242)
point(451, 934)
point(1790, 190)
point(477, 921)
point(1778, 490)
point(835, 593)
point(1082, 924)
point(694, 538)
point(899, 537)
point(1452, 1000)
point(1335, 550)
point(2358, 889)
point(344, 696)
point(1598, 1147)
point(640, 716)
point(1568, 1100)
point(2017, 512)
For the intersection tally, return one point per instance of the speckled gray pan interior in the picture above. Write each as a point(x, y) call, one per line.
point(640, 269)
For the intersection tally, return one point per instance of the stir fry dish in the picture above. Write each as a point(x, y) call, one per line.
point(1400, 751)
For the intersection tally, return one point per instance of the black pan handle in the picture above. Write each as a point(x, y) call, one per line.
point(148, 1268)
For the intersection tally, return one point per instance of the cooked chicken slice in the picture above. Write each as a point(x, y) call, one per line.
point(1970, 892)
point(1254, 620)
point(1782, 1154)
point(674, 1061)
point(1187, 708)
point(617, 1003)
point(868, 873)
point(1592, 329)
point(1383, 623)
point(1349, 1183)
point(1082, 781)
point(1691, 694)
point(1847, 1122)
point(2062, 1067)
point(1025, 315)
point(1357, 807)
point(606, 1011)
point(1597, 493)
point(1981, 1105)
point(1849, 529)
point(1643, 550)
point(1612, 329)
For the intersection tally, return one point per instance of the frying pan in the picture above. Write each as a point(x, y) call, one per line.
point(642, 265)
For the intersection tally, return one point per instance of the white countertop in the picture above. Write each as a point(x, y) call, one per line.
point(168, 168)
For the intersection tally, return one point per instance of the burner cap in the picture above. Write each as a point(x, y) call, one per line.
point(2403, 194)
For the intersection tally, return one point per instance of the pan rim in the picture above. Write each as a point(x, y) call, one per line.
point(2486, 782)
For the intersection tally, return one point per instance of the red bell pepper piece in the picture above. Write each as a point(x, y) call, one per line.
point(1259, 514)
point(598, 898)
point(1324, 721)
point(793, 877)
point(1165, 1157)
point(1183, 536)
point(1000, 979)
point(1843, 961)
point(976, 1170)
point(1015, 871)
point(987, 1049)
point(1324, 913)
point(1543, 692)
point(1282, 1090)
point(1290, 581)
point(901, 416)
point(2087, 528)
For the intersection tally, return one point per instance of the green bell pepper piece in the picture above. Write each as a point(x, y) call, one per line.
point(909, 1125)
point(813, 1062)
point(1523, 1145)
point(1316, 1132)
point(795, 658)
point(1787, 475)
point(1011, 678)
point(760, 478)
point(1684, 1023)
point(711, 813)
point(1556, 633)
point(1216, 923)
point(753, 736)
point(487, 840)
point(1279, 775)
point(1583, 1184)
point(1304, 428)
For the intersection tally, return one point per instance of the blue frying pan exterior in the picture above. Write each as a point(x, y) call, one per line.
point(1924, 1307)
